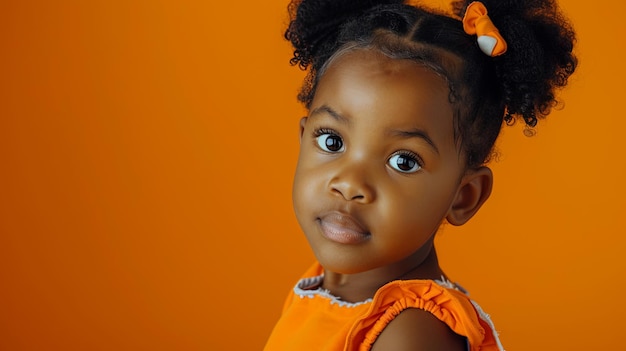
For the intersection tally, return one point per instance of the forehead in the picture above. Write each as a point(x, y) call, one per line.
point(367, 80)
point(377, 96)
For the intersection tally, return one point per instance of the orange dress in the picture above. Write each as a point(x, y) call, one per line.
point(313, 319)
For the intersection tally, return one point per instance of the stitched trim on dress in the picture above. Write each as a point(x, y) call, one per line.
point(484, 316)
point(450, 285)
point(310, 287)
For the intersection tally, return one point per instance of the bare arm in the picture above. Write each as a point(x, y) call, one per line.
point(418, 330)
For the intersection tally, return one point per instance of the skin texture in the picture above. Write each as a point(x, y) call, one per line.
point(378, 173)
point(432, 335)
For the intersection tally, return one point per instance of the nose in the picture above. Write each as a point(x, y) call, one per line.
point(351, 182)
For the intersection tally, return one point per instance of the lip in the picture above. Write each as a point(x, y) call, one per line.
point(342, 228)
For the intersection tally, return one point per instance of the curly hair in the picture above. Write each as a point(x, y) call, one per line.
point(485, 91)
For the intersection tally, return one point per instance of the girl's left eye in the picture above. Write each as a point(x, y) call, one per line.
point(404, 163)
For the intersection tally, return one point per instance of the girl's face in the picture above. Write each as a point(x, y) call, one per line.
point(378, 168)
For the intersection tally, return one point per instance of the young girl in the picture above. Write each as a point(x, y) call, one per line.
point(405, 105)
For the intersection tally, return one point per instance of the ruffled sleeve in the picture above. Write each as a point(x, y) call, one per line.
point(450, 306)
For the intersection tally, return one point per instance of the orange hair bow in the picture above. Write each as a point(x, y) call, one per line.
point(477, 22)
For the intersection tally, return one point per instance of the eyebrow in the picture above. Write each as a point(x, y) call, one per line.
point(406, 134)
point(415, 133)
point(325, 109)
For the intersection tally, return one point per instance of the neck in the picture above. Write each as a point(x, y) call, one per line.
point(422, 264)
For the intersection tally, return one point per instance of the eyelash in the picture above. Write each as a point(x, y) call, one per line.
point(327, 134)
point(321, 131)
point(411, 155)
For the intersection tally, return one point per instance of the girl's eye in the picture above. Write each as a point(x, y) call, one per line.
point(330, 142)
point(404, 163)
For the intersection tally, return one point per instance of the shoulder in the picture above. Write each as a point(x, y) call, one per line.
point(424, 315)
point(416, 329)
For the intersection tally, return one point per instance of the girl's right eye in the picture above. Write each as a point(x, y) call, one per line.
point(329, 141)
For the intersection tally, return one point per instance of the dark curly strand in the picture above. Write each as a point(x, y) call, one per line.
point(485, 91)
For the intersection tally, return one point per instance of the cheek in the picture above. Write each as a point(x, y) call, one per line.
point(414, 207)
point(311, 169)
point(306, 184)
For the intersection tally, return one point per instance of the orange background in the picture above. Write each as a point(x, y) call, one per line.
point(147, 150)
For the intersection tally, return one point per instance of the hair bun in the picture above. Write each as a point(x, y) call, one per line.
point(539, 59)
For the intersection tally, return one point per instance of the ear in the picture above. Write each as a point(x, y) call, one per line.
point(473, 191)
point(302, 124)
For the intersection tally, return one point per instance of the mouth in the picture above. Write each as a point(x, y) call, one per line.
point(342, 228)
